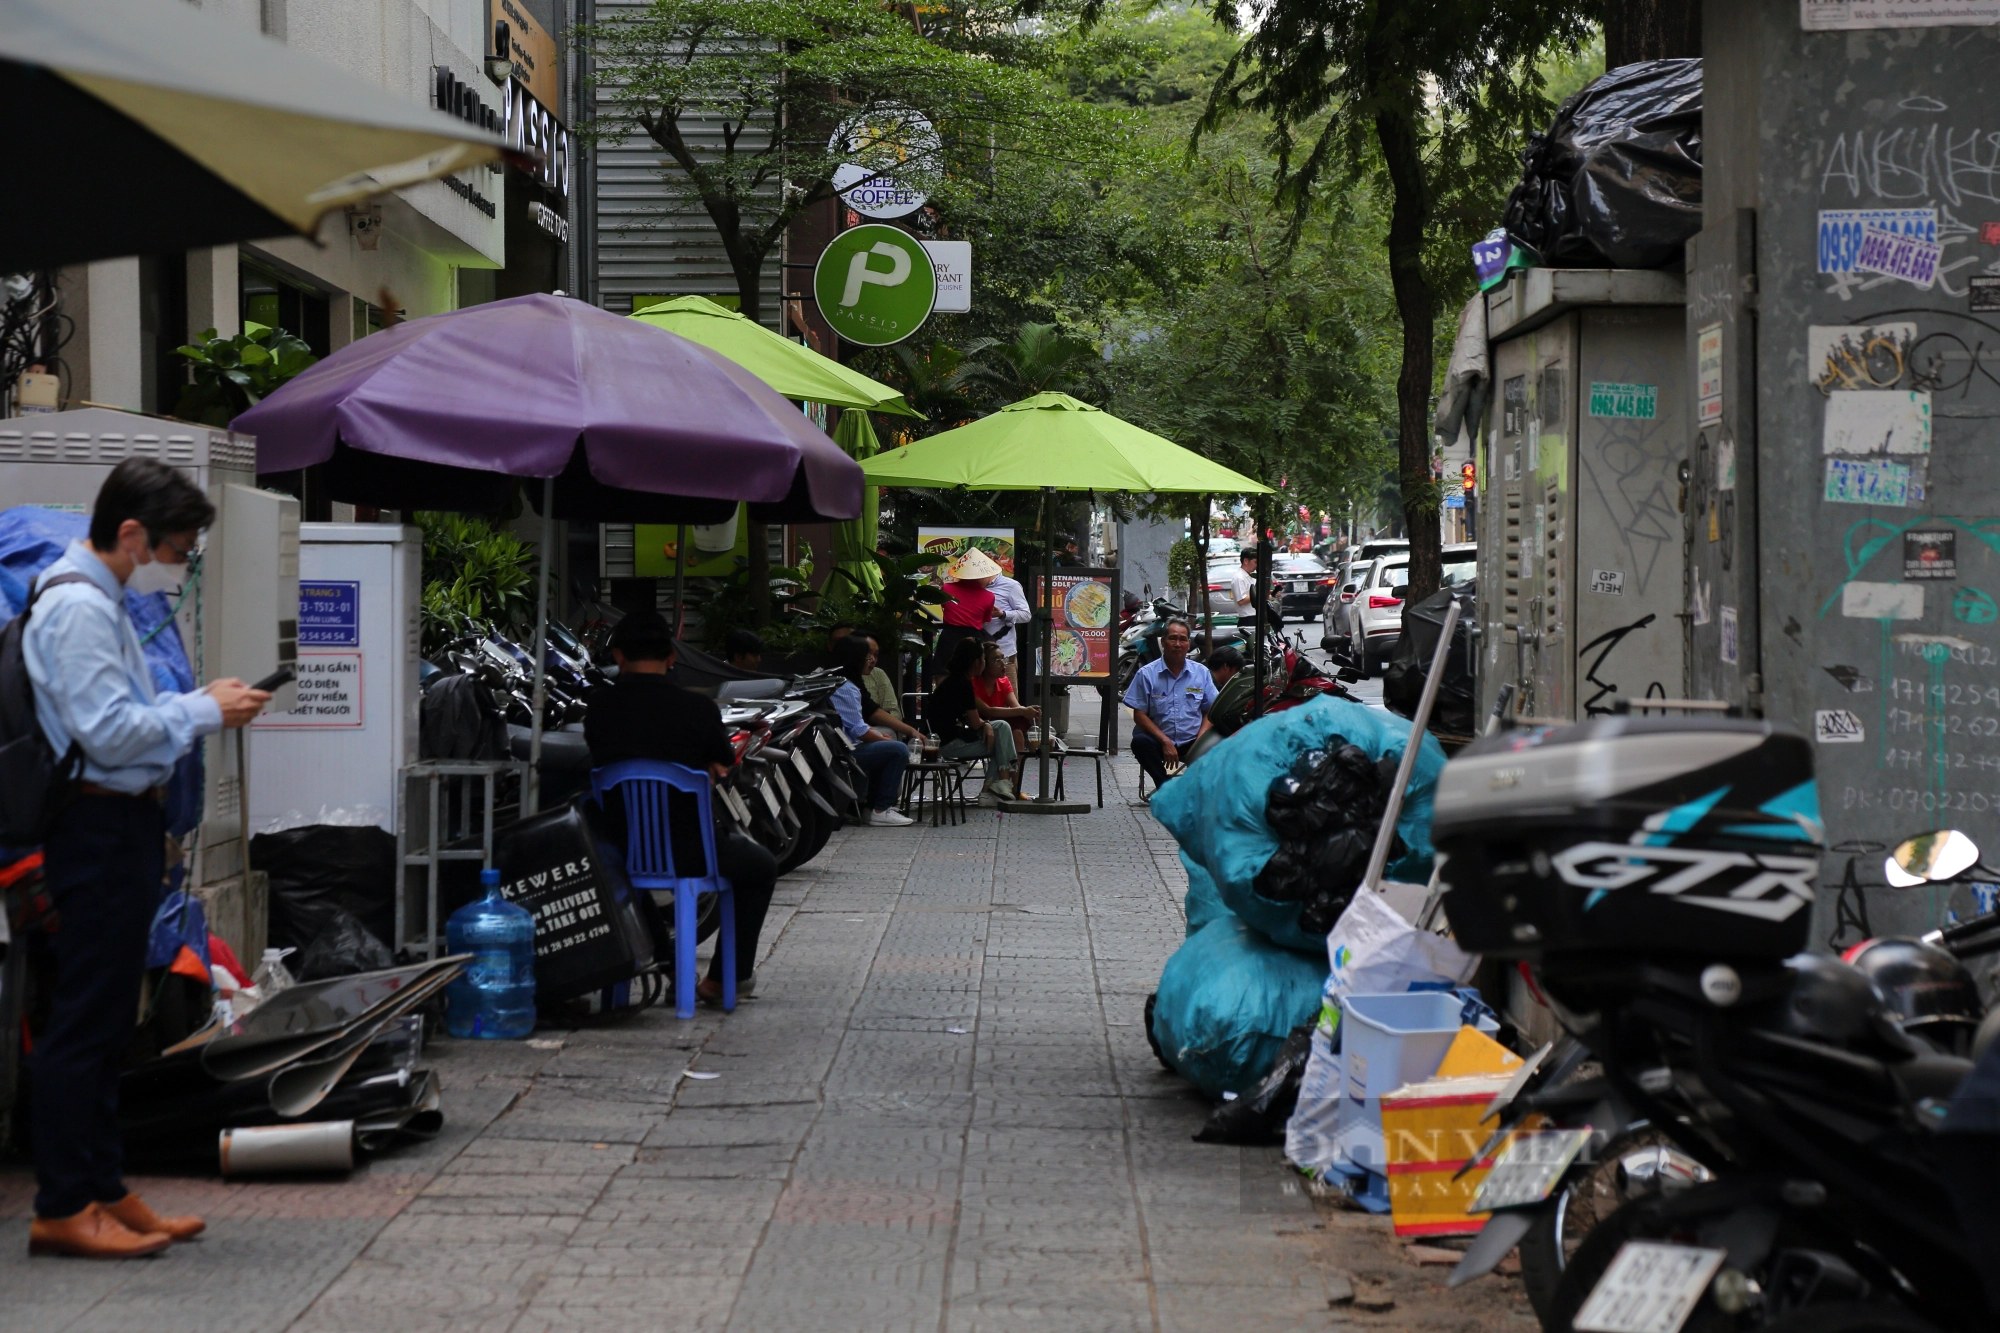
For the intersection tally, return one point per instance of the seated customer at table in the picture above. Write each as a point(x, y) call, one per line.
point(642, 715)
point(1169, 698)
point(882, 757)
point(997, 701)
point(963, 732)
point(880, 689)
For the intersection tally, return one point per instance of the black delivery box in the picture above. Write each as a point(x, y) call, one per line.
point(587, 932)
point(1631, 835)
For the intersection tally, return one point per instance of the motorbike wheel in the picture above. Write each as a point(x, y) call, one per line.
point(1640, 1219)
point(1566, 1218)
point(772, 835)
point(811, 836)
point(1128, 667)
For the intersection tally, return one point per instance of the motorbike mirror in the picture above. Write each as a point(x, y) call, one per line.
point(1400, 591)
point(1930, 858)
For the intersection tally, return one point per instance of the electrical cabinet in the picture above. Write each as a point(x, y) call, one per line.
point(1580, 559)
point(335, 749)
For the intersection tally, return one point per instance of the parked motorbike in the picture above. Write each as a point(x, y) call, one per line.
point(1656, 875)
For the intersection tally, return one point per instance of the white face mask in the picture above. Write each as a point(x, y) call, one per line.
point(151, 576)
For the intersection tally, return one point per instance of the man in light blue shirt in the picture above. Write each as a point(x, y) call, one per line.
point(1010, 608)
point(105, 854)
point(1169, 699)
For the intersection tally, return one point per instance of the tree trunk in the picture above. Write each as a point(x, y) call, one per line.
point(1198, 588)
point(1637, 30)
point(750, 304)
point(1416, 305)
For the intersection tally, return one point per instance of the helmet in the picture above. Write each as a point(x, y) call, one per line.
point(1930, 992)
point(1831, 1002)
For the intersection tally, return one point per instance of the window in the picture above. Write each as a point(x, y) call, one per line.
point(276, 301)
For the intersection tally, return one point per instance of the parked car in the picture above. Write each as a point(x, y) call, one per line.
point(1300, 583)
point(1334, 612)
point(1220, 572)
point(1375, 616)
point(1336, 615)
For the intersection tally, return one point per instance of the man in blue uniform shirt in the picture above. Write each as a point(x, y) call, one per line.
point(1169, 699)
point(105, 854)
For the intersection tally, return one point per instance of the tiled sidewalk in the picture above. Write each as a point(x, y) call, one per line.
point(940, 1114)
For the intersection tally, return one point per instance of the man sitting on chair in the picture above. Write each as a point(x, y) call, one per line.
point(1169, 699)
point(643, 715)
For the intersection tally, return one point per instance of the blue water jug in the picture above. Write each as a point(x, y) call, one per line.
point(495, 995)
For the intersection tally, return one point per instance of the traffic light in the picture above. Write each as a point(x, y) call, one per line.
point(1469, 475)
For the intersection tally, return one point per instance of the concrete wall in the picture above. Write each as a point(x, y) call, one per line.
point(1892, 667)
point(1142, 554)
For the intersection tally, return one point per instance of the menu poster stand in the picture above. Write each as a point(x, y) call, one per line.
point(1098, 642)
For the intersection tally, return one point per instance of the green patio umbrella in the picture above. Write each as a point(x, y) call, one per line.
point(1048, 443)
point(1054, 442)
point(794, 370)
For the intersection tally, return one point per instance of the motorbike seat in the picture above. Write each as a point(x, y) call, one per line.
point(1933, 1076)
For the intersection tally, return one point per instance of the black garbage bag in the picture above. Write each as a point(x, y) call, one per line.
point(320, 869)
point(1617, 179)
point(1258, 1117)
point(1325, 812)
point(588, 934)
point(343, 949)
point(1403, 675)
point(458, 718)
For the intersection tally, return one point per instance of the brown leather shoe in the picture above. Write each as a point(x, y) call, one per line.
point(133, 1212)
point(93, 1234)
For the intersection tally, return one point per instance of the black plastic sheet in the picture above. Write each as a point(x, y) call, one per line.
point(1410, 660)
point(1258, 1117)
point(321, 869)
point(1617, 179)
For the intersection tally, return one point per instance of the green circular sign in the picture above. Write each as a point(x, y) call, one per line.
point(875, 285)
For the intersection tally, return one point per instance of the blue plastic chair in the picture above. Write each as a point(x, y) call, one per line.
point(649, 861)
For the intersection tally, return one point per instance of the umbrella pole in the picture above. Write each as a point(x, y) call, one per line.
point(531, 800)
point(1048, 642)
point(680, 577)
point(1260, 598)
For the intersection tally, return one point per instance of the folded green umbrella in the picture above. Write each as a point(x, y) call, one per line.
point(794, 370)
point(1053, 441)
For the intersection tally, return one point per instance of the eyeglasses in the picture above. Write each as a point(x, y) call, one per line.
point(186, 553)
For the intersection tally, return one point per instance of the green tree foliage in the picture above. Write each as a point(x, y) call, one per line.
point(1038, 359)
point(1430, 101)
point(229, 376)
point(745, 98)
point(473, 573)
point(1276, 366)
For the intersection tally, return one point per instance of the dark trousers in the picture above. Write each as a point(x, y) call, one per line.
point(883, 762)
point(752, 873)
point(1152, 758)
point(103, 862)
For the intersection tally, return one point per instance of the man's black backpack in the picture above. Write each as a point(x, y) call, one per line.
point(35, 784)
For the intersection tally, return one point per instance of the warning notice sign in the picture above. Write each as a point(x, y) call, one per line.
point(329, 693)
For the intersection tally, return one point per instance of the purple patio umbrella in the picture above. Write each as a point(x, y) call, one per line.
point(620, 421)
point(630, 422)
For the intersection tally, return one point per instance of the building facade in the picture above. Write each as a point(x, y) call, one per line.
point(477, 235)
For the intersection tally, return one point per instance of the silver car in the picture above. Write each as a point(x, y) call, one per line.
point(1375, 616)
